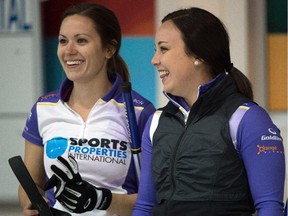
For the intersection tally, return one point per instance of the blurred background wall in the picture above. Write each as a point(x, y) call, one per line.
point(29, 65)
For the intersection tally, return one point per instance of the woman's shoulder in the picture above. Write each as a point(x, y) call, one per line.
point(254, 112)
point(256, 118)
point(140, 101)
point(138, 98)
point(52, 96)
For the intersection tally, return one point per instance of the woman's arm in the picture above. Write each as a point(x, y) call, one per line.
point(146, 195)
point(118, 201)
point(33, 160)
point(122, 204)
point(262, 151)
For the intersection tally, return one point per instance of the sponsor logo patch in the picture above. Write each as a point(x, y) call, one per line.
point(269, 149)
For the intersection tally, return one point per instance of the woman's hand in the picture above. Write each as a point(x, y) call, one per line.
point(72, 191)
point(29, 211)
point(34, 162)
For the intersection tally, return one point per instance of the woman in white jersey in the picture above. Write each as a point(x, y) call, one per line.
point(81, 128)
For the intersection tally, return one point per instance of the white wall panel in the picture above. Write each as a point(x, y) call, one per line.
point(16, 73)
point(12, 144)
point(20, 81)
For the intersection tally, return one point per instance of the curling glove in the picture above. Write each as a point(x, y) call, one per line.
point(73, 192)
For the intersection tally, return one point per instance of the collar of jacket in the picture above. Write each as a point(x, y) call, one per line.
point(215, 92)
point(180, 102)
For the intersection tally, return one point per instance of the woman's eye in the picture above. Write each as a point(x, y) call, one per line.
point(81, 41)
point(160, 49)
point(163, 49)
point(62, 41)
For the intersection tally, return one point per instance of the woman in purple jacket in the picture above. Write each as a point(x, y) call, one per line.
point(211, 150)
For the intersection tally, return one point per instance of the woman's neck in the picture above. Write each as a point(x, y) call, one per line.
point(84, 96)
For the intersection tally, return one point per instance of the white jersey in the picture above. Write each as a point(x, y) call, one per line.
point(100, 145)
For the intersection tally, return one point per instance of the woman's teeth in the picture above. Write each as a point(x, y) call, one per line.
point(73, 63)
point(163, 73)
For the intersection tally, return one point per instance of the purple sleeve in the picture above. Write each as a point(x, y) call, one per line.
point(31, 132)
point(146, 195)
point(145, 114)
point(261, 148)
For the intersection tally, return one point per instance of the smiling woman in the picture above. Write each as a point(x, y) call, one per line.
point(223, 154)
point(77, 136)
point(181, 74)
point(136, 47)
point(79, 46)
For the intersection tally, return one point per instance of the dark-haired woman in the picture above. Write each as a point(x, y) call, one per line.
point(211, 150)
point(77, 136)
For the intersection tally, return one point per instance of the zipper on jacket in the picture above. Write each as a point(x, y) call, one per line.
point(83, 130)
point(173, 162)
point(185, 123)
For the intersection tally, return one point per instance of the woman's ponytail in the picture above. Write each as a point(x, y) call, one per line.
point(242, 82)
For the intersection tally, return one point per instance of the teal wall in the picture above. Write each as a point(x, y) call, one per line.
point(138, 52)
point(276, 16)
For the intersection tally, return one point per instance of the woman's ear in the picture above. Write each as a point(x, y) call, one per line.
point(111, 49)
point(110, 52)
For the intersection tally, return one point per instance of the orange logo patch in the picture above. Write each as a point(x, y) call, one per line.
point(265, 149)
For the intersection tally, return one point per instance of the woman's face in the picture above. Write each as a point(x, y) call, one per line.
point(80, 50)
point(176, 69)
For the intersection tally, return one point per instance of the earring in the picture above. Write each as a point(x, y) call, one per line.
point(196, 62)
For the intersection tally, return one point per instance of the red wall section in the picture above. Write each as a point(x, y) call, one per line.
point(136, 17)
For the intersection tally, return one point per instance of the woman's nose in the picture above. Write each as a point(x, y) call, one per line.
point(155, 60)
point(70, 48)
